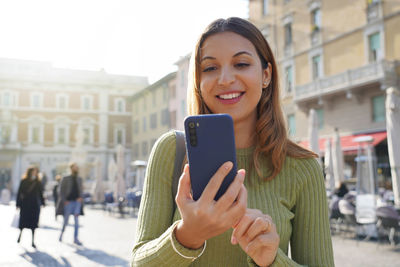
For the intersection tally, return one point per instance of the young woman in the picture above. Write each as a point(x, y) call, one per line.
point(279, 189)
point(29, 200)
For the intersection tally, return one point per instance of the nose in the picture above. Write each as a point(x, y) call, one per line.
point(226, 76)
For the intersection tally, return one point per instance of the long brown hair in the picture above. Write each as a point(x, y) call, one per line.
point(271, 132)
point(29, 171)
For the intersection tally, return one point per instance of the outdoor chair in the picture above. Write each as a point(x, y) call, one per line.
point(388, 223)
point(348, 212)
point(335, 216)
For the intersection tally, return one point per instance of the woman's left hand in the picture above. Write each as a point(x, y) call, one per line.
point(257, 236)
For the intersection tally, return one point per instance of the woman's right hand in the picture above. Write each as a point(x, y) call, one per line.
point(206, 218)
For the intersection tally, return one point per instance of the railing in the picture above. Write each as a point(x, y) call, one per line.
point(346, 80)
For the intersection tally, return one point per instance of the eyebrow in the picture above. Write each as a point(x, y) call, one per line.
point(235, 55)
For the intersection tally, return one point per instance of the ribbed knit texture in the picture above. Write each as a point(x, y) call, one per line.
point(295, 199)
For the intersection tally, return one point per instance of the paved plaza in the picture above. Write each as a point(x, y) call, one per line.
point(108, 240)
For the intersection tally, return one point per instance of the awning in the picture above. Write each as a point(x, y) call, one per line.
point(348, 146)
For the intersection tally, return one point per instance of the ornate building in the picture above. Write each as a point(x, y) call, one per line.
point(41, 108)
point(337, 57)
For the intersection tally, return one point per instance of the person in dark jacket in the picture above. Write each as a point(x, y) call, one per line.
point(342, 190)
point(55, 192)
point(29, 200)
point(70, 200)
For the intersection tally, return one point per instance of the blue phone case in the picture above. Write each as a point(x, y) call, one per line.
point(214, 145)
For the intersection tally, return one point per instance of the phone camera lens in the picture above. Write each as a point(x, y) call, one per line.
point(192, 125)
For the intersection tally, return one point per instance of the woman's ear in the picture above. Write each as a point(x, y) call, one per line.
point(267, 75)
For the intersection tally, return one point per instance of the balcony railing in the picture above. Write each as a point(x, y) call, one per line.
point(374, 72)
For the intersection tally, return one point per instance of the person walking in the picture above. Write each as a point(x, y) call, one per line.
point(29, 200)
point(278, 195)
point(55, 193)
point(70, 200)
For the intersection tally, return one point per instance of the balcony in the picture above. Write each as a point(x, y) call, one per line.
point(383, 72)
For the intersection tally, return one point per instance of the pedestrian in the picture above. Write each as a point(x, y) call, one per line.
point(70, 200)
point(29, 200)
point(55, 192)
point(278, 195)
point(342, 190)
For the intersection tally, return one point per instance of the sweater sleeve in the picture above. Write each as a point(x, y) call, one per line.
point(311, 243)
point(155, 227)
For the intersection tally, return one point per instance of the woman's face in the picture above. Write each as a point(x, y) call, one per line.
point(34, 173)
point(231, 76)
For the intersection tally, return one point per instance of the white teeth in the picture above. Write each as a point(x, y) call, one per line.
point(229, 96)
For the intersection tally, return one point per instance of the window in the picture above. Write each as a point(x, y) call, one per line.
point(374, 47)
point(289, 78)
point(144, 126)
point(183, 108)
point(320, 116)
point(153, 141)
point(62, 101)
point(288, 34)
point(61, 136)
point(86, 102)
point(36, 133)
point(316, 67)
point(182, 80)
point(265, 7)
point(378, 108)
point(291, 124)
point(165, 93)
point(164, 116)
point(119, 105)
point(153, 121)
point(173, 119)
point(136, 150)
point(315, 20)
point(144, 148)
point(136, 126)
point(119, 136)
point(172, 92)
point(86, 136)
point(36, 100)
point(8, 98)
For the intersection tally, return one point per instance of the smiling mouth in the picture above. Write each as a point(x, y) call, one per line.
point(230, 96)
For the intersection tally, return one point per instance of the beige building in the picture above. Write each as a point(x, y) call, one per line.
point(41, 108)
point(151, 115)
point(337, 57)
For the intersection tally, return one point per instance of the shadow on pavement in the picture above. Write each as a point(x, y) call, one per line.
point(38, 258)
point(47, 227)
point(101, 257)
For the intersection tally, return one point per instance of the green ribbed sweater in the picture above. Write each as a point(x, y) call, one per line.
point(295, 199)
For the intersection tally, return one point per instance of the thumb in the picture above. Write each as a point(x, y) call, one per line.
point(184, 187)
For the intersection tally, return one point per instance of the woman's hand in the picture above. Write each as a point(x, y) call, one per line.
point(206, 218)
point(257, 236)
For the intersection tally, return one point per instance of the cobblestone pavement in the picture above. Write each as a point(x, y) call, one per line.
point(108, 239)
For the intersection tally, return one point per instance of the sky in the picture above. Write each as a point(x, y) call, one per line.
point(133, 37)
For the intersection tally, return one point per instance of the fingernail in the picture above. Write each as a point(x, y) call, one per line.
point(233, 240)
point(242, 174)
point(228, 165)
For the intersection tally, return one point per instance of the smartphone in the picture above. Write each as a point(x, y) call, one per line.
point(210, 142)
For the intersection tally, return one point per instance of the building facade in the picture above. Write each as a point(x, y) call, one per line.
point(178, 95)
point(337, 57)
point(151, 115)
point(41, 108)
